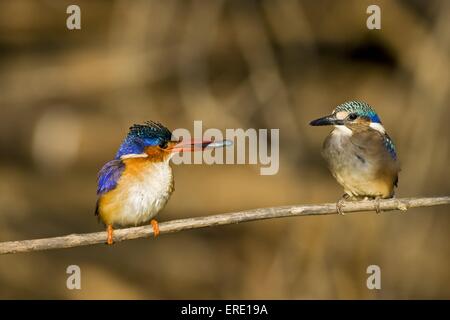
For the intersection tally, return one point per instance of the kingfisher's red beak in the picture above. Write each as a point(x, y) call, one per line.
point(190, 145)
point(197, 145)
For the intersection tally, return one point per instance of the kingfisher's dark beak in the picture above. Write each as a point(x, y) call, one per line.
point(327, 121)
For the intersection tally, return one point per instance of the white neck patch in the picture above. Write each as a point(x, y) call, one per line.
point(377, 126)
point(341, 129)
point(134, 155)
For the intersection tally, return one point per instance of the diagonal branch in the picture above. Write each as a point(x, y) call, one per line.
point(77, 240)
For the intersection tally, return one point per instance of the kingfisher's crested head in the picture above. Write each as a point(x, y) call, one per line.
point(357, 109)
point(351, 114)
point(141, 136)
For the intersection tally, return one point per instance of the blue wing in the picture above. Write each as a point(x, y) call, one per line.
point(389, 144)
point(109, 176)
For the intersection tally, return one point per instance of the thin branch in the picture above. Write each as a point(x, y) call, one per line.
point(77, 240)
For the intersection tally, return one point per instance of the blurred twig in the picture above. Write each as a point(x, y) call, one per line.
point(76, 240)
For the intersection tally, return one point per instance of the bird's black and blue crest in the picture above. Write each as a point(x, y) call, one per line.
point(144, 135)
point(361, 108)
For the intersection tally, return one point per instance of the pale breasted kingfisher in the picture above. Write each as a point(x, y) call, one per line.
point(360, 154)
point(137, 183)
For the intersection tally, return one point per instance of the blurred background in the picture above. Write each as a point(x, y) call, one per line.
point(67, 99)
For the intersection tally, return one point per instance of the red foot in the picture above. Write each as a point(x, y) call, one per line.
point(155, 226)
point(110, 234)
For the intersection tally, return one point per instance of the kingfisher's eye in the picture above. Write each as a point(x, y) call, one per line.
point(163, 144)
point(352, 116)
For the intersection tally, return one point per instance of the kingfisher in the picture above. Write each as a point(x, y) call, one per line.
point(360, 154)
point(137, 183)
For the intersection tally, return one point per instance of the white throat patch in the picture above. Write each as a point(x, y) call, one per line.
point(341, 129)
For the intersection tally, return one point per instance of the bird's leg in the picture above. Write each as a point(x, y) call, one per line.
point(339, 206)
point(340, 203)
point(155, 227)
point(377, 205)
point(110, 234)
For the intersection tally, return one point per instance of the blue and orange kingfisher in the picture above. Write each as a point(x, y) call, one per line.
point(360, 154)
point(137, 183)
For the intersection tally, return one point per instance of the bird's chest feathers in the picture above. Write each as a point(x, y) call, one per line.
point(343, 156)
point(145, 188)
point(152, 182)
point(338, 140)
